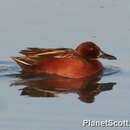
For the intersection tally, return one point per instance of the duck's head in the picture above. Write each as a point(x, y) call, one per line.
point(90, 50)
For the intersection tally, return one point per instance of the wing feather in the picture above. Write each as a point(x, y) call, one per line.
point(33, 56)
point(38, 53)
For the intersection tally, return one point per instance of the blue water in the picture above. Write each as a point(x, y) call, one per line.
point(61, 23)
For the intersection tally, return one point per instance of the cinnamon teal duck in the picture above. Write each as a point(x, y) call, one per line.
point(71, 63)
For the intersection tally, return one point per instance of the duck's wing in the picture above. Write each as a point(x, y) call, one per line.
point(32, 56)
point(45, 52)
point(29, 52)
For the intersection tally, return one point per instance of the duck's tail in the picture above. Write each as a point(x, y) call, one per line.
point(22, 62)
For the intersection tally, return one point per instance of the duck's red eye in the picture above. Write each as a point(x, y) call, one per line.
point(92, 52)
point(92, 49)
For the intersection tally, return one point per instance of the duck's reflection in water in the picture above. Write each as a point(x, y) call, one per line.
point(52, 86)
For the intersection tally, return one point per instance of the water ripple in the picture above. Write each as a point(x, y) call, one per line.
point(110, 70)
point(8, 68)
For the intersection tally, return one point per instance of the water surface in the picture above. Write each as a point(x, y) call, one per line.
point(63, 24)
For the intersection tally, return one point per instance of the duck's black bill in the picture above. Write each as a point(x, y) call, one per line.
point(107, 56)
